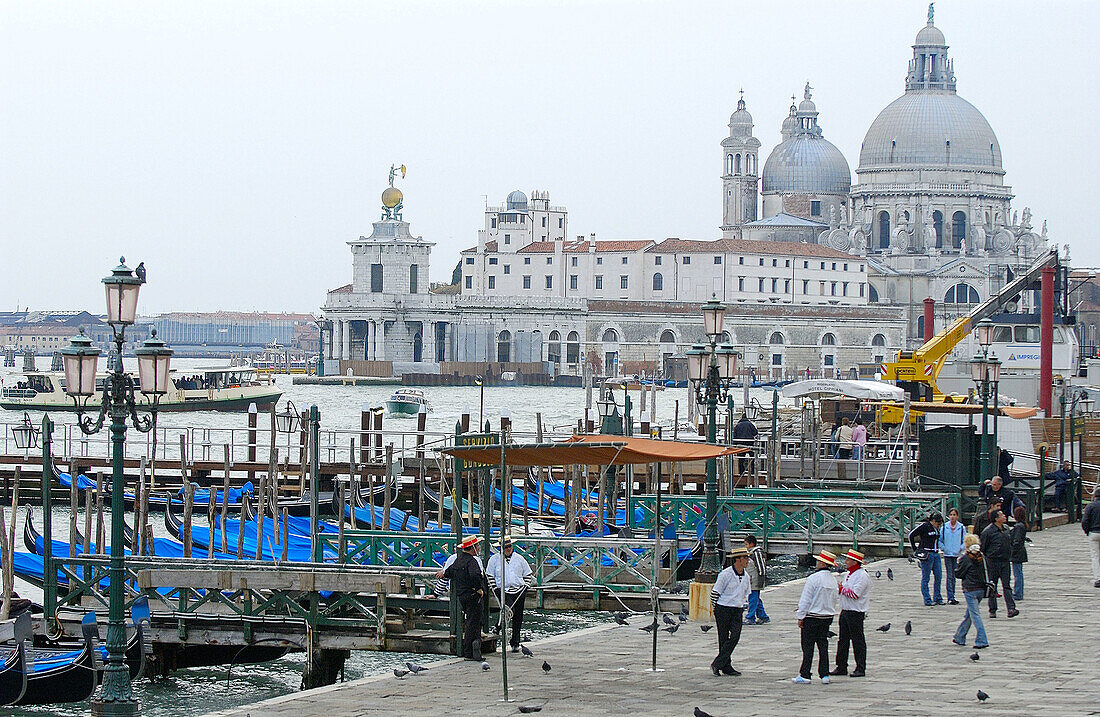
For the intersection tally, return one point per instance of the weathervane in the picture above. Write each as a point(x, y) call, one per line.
point(392, 199)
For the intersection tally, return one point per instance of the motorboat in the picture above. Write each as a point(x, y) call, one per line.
point(407, 402)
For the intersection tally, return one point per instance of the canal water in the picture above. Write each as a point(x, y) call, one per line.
point(198, 691)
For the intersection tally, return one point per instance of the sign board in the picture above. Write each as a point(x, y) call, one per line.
point(475, 439)
point(1079, 425)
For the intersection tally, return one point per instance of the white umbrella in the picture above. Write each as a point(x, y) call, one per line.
point(823, 387)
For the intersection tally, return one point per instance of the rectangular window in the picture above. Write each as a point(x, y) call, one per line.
point(573, 282)
point(625, 260)
point(761, 261)
point(829, 359)
point(507, 269)
point(786, 286)
point(760, 285)
point(376, 278)
point(493, 223)
point(805, 265)
point(777, 359)
point(815, 208)
point(805, 286)
point(657, 261)
point(527, 281)
point(561, 222)
point(572, 261)
point(741, 260)
point(470, 260)
point(845, 267)
point(823, 266)
point(687, 259)
point(549, 260)
point(832, 291)
point(507, 238)
point(775, 285)
point(717, 260)
point(526, 260)
point(844, 289)
point(469, 282)
point(821, 289)
point(492, 282)
point(775, 262)
point(492, 261)
point(861, 289)
point(740, 283)
point(834, 266)
point(412, 278)
point(788, 264)
point(861, 268)
point(544, 221)
point(549, 282)
point(599, 282)
point(599, 260)
point(623, 282)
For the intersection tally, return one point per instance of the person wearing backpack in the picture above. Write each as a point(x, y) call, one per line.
point(758, 575)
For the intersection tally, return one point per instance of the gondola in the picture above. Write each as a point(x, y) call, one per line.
point(69, 678)
point(159, 500)
point(13, 671)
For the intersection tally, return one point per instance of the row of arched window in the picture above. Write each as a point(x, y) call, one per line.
point(827, 339)
point(733, 163)
point(955, 239)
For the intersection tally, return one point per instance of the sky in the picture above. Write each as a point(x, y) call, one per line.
point(235, 147)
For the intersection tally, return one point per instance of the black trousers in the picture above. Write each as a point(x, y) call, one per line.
point(1000, 571)
point(851, 631)
point(515, 603)
point(728, 621)
point(471, 626)
point(815, 633)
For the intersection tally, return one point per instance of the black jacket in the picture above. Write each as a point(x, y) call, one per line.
point(971, 572)
point(1008, 498)
point(1090, 519)
point(925, 537)
point(997, 543)
point(745, 430)
point(1003, 467)
point(1019, 544)
point(465, 576)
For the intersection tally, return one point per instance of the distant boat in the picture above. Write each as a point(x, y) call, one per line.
point(407, 402)
point(276, 358)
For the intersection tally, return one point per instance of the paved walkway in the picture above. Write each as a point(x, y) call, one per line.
point(1046, 661)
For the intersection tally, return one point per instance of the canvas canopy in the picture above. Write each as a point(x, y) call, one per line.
point(972, 408)
point(824, 387)
point(593, 450)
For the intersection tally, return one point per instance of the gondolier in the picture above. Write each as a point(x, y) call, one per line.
point(815, 612)
point(513, 573)
point(855, 597)
point(468, 582)
point(728, 599)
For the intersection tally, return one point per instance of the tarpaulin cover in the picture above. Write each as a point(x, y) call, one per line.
point(973, 408)
point(599, 450)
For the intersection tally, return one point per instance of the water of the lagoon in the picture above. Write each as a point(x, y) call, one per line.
point(198, 691)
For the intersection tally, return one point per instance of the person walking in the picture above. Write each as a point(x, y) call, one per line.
point(1090, 523)
point(1019, 552)
point(951, 546)
point(728, 598)
point(758, 571)
point(925, 541)
point(513, 574)
point(996, 544)
point(971, 573)
point(468, 582)
point(816, 608)
point(855, 597)
point(859, 439)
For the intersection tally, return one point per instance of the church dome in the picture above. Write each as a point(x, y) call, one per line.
point(930, 35)
point(806, 164)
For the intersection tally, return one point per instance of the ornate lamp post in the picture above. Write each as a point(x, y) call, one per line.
point(25, 433)
point(118, 402)
point(711, 370)
point(981, 370)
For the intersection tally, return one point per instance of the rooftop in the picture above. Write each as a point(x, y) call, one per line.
point(748, 246)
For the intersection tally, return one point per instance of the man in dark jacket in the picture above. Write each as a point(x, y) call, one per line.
point(468, 582)
point(995, 488)
point(1003, 464)
point(925, 541)
point(744, 434)
point(1090, 523)
point(997, 548)
point(1063, 478)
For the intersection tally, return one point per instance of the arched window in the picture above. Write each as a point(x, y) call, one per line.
point(418, 348)
point(750, 163)
point(667, 337)
point(729, 164)
point(961, 293)
point(553, 348)
point(958, 229)
point(776, 338)
point(884, 230)
point(573, 347)
point(872, 294)
point(725, 337)
point(937, 225)
point(610, 336)
point(737, 164)
point(828, 340)
point(658, 282)
point(878, 340)
point(504, 347)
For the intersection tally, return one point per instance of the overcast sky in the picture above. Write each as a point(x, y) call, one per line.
point(234, 147)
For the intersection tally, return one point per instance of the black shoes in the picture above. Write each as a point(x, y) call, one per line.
point(1013, 612)
point(731, 672)
point(858, 673)
point(992, 616)
point(839, 672)
point(952, 602)
point(1096, 584)
point(715, 670)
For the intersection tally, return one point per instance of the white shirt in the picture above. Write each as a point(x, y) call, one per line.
point(515, 572)
point(732, 589)
point(818, 596)
point(858, 582)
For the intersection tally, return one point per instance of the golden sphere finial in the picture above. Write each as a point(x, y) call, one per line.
point(391, 197)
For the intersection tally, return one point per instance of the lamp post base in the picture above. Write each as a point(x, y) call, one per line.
point(116, 708)
point(699, 600)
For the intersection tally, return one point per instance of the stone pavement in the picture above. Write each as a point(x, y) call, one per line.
point(1046, 661)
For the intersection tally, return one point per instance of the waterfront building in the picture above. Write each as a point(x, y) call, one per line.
point(226, 333)
point(44, 332)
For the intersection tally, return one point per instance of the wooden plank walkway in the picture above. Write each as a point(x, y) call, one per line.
point(1042, 662)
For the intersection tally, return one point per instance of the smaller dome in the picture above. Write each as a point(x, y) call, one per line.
point(391, 197)
point(930, 35)
point(807, 106)
point(517, 200)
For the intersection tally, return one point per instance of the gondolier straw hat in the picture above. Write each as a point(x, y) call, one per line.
point(826, 557)
point(469, 542)
point(855, 555)
point(507, 540)
point(738, 553)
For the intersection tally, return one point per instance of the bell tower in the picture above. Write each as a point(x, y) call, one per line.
point(740, 172)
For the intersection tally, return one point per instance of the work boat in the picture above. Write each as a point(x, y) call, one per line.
point(278, 359)
point(231, 388)
point(407, 402)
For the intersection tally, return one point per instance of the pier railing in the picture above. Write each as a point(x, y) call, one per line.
point(793, 518)
point(599, 564)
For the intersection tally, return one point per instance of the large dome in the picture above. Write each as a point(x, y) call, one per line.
point(806, 164)
point(915, 129)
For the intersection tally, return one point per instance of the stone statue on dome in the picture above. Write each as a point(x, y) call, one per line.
point(1026, 223)
point(807, 93)
point(1043, 235)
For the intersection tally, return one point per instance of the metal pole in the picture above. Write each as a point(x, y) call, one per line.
point(504, 569)
point(655, 589)
point(1042, 482)
point(314, 460)
point(984, 456)
point(773, 467)
point(49, 590)
point(709, 565)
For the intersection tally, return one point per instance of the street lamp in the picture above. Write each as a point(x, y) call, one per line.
point(711, 371)
point(26, 435)
point(985, 372)
point(119, 401)
point(609, 414)
point(288, 420)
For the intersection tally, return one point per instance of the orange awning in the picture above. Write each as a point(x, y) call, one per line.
point(971, 408)
point(598, 450)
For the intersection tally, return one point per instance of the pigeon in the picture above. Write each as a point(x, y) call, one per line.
point(700, 713)
point(668, 619)
point(484, 666)
point(982, 697)
point(528, 709)
point(621, 616)
point(975, 657)
point(671, 629)
point(415, 668)
point(545, 666)
point(621, 620)
point(705, 628)
point(889, 573)
point(912, 560)
point(398, 672)
point(139, 272)
point(647, 628)
point(684, 613)
point(908, 627)
point(525, 651)
point(878, 575)
point(883, 628)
